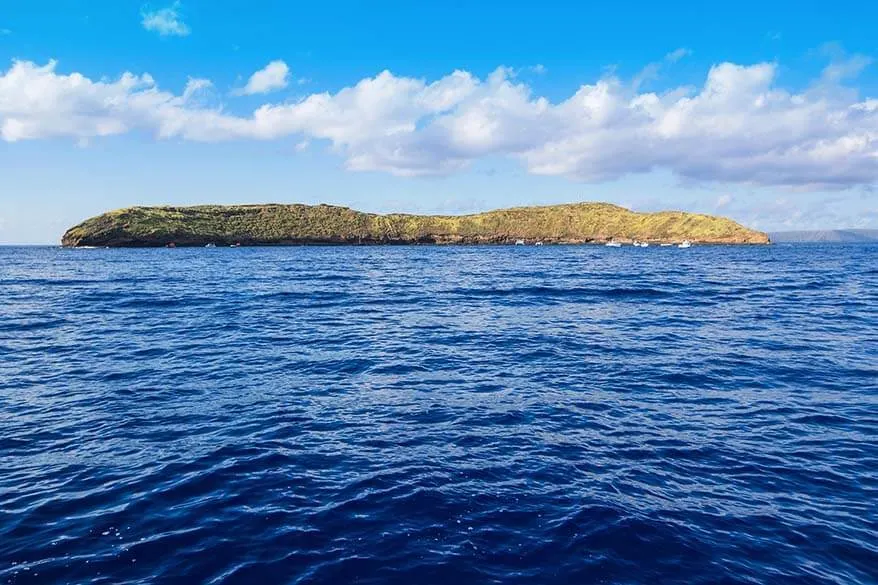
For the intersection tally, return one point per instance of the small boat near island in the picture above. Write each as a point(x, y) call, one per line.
point(519, 242)
point(210, 245)
point(685, 244)
point(613, 244)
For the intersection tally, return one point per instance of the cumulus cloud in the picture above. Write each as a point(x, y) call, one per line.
point(274, 76)
point(738, 127)
point(165, 21)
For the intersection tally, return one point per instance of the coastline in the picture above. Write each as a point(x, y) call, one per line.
point(297, 224)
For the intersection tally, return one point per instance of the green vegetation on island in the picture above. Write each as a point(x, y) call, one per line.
point(274, 224)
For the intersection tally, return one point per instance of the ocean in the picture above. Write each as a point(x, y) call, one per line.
point(429, 415)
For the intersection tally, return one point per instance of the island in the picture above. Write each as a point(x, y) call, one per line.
point(297, 224)
point(852, 236)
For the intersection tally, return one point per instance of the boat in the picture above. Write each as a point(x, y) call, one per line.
point(644, 244)
point(538, 244)
point(613, 244)
point(685, 244)
point(210, 245)
point(519, 242)
point(666, 245)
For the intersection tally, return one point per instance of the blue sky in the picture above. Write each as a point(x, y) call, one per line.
point(765, 111)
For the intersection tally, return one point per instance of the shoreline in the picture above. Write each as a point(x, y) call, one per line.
point(401, 244)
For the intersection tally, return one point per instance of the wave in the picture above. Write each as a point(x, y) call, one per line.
point(434, 415)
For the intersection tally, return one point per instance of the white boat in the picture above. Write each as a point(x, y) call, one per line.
point(538, 244)
point(519, 242)
point(666, 245)
point(613, 244)
point(685, 244)
point(644, 244)
point(210, 245)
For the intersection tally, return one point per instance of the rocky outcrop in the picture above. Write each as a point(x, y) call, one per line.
point(274, 224)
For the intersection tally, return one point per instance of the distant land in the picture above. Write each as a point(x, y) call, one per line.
point(825, 236)
point(275, 224)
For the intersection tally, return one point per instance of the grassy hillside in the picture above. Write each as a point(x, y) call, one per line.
point(292, 224)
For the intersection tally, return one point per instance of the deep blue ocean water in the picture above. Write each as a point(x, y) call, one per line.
point(439, 415)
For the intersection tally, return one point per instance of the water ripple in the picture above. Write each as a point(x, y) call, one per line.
point(432, 415)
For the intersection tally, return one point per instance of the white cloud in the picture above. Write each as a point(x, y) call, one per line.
point(4, 32)
point(274, 76)
point(846, 68)
point(652, 70)
point(724, 200)
point(196, 87)
point(739, 127)
point(165, 21)
point(677, 54)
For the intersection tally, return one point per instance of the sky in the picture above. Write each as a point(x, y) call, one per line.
point(765, 112)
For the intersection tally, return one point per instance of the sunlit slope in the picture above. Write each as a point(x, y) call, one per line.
point(297, 224)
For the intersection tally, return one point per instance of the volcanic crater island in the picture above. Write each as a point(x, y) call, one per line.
point(297, 224)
